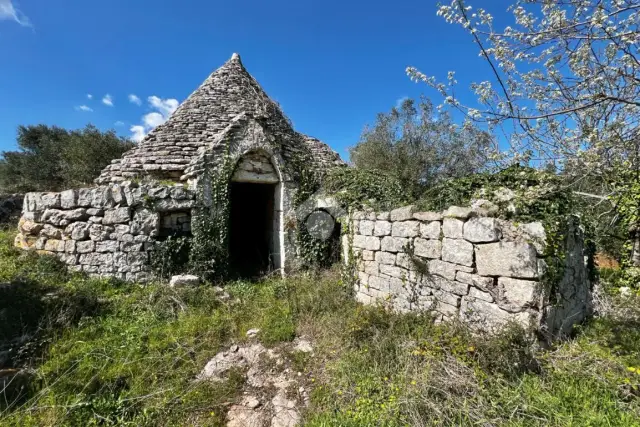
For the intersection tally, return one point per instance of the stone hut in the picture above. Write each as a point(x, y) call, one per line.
point(228, 123)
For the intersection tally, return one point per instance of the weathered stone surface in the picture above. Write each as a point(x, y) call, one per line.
point(53, 245)
point(452, 228)
point(508, 259)
point(69, 199)
point(402, 214)
point(446, 297)
point(427, 248)
point(428, 216)
point(84, 197)
point(446, 269)
point(370, 267)
point(481, 295)
point(451, 286)
point(457, 212)
point(85, 247)
point(519, 292)
point(371, 243)
point(100, 232)
point(144, 222)
point(105, 259)
point(78, 230)
point(405, 229)
point(70, 246)
point(382, 228)
point(366, 227)
point(29, 227)
point(431, 230)
point(481, 230)
point(393, 271)
point(535, 234)
point(475, 280)
point(368, 255)
point(51, 232)
point(107, 246)
point(486, 315)
point(394, 244)
point(385, 258)
point(457, 251)
point(117, 216)
point(184, 280)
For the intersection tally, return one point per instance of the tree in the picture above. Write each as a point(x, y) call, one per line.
point(52, 158)
point(565, 86)
point(420, 148)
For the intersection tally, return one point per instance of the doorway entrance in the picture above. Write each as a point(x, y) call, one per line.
point(251, 231)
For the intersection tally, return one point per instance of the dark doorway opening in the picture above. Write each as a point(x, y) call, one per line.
point(251, 228)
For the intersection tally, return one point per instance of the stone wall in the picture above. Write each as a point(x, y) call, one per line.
point(459, 264)
point(104, 231)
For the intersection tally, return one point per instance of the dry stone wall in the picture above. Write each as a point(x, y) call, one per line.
point(103, 231)
point(459, 264)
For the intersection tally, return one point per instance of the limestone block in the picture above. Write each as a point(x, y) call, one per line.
point(403, 260)
point(485, 315)
point(70, 246)
point(535, 234)
point(366, 227)
point(53, 245)
point(393, 271)
point(93, 258)
point(29, 228)
point(118, 196)
point(107, 246)
point(131, 247)
point(402, 214)
point(101, 197)
point(427, 248)
point(383, 216)
point(184, 280)
point(475, 280)
point(363, 278)
point(446, 297)
point(58, 217)
point(518, 292)
point(173, 205)
point(371, 243)
point(457, 212)
point(394, 244)
point(430, 230)
point(85, 196)
point(378, 283)
point(368, 255)
point(22, 242)
point(69, 199)
point(95, 212)
point(178, 192)
point(95, 219)
point(385, 258)
point(50, 201)
point(85, 246)
point(370, 267)
point(51, 232)
point(144, 222)
point(481, 230)
point(508, 259)
point(481, 295)
point(158, 192)
point(451, 286)
point(428, 216)
point(457, 251)
point(446, 269)
point(382, 228)
point(405, 229)
point(452, 228)
point(78, 230)
point(117, 216)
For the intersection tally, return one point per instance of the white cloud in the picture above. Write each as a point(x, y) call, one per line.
point(107, 100)
point(119, 123)
point(84, 108)
point(137, 133)
point(8, 12)
point(135, 100)
point(164, 108)
point(89, 96)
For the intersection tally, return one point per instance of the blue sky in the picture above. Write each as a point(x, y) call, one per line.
point(332, 65)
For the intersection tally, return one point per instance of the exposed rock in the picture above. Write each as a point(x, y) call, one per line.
point(457, 251)
point(382, 228)
point(394, 244)
point(518, 292)
point(402, 214)
point(428, 216)
point(427, 248)
point(452, 228)
point(430, 230)
point(481, 230)
point(457, 212)
point(508, 259)
point(184, 280)
point(117, 216)
point(405, 229)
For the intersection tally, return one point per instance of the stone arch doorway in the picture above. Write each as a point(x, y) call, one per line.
point(255, 216)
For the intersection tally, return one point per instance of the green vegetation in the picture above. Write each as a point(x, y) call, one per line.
point(109, 353)
point(54, 159)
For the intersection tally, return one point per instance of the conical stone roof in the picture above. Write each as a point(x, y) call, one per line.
point(227, 93)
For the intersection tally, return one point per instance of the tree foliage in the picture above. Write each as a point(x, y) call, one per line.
point(420, 148)
point(565, 87)
point(50, 158)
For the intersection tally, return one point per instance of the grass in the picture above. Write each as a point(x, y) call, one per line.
point(102, 352)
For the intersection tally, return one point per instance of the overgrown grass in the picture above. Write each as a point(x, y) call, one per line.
point(109, 353)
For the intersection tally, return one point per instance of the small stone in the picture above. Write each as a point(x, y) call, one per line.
point(253, 332)
point(481, 230)
point(428, 216)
